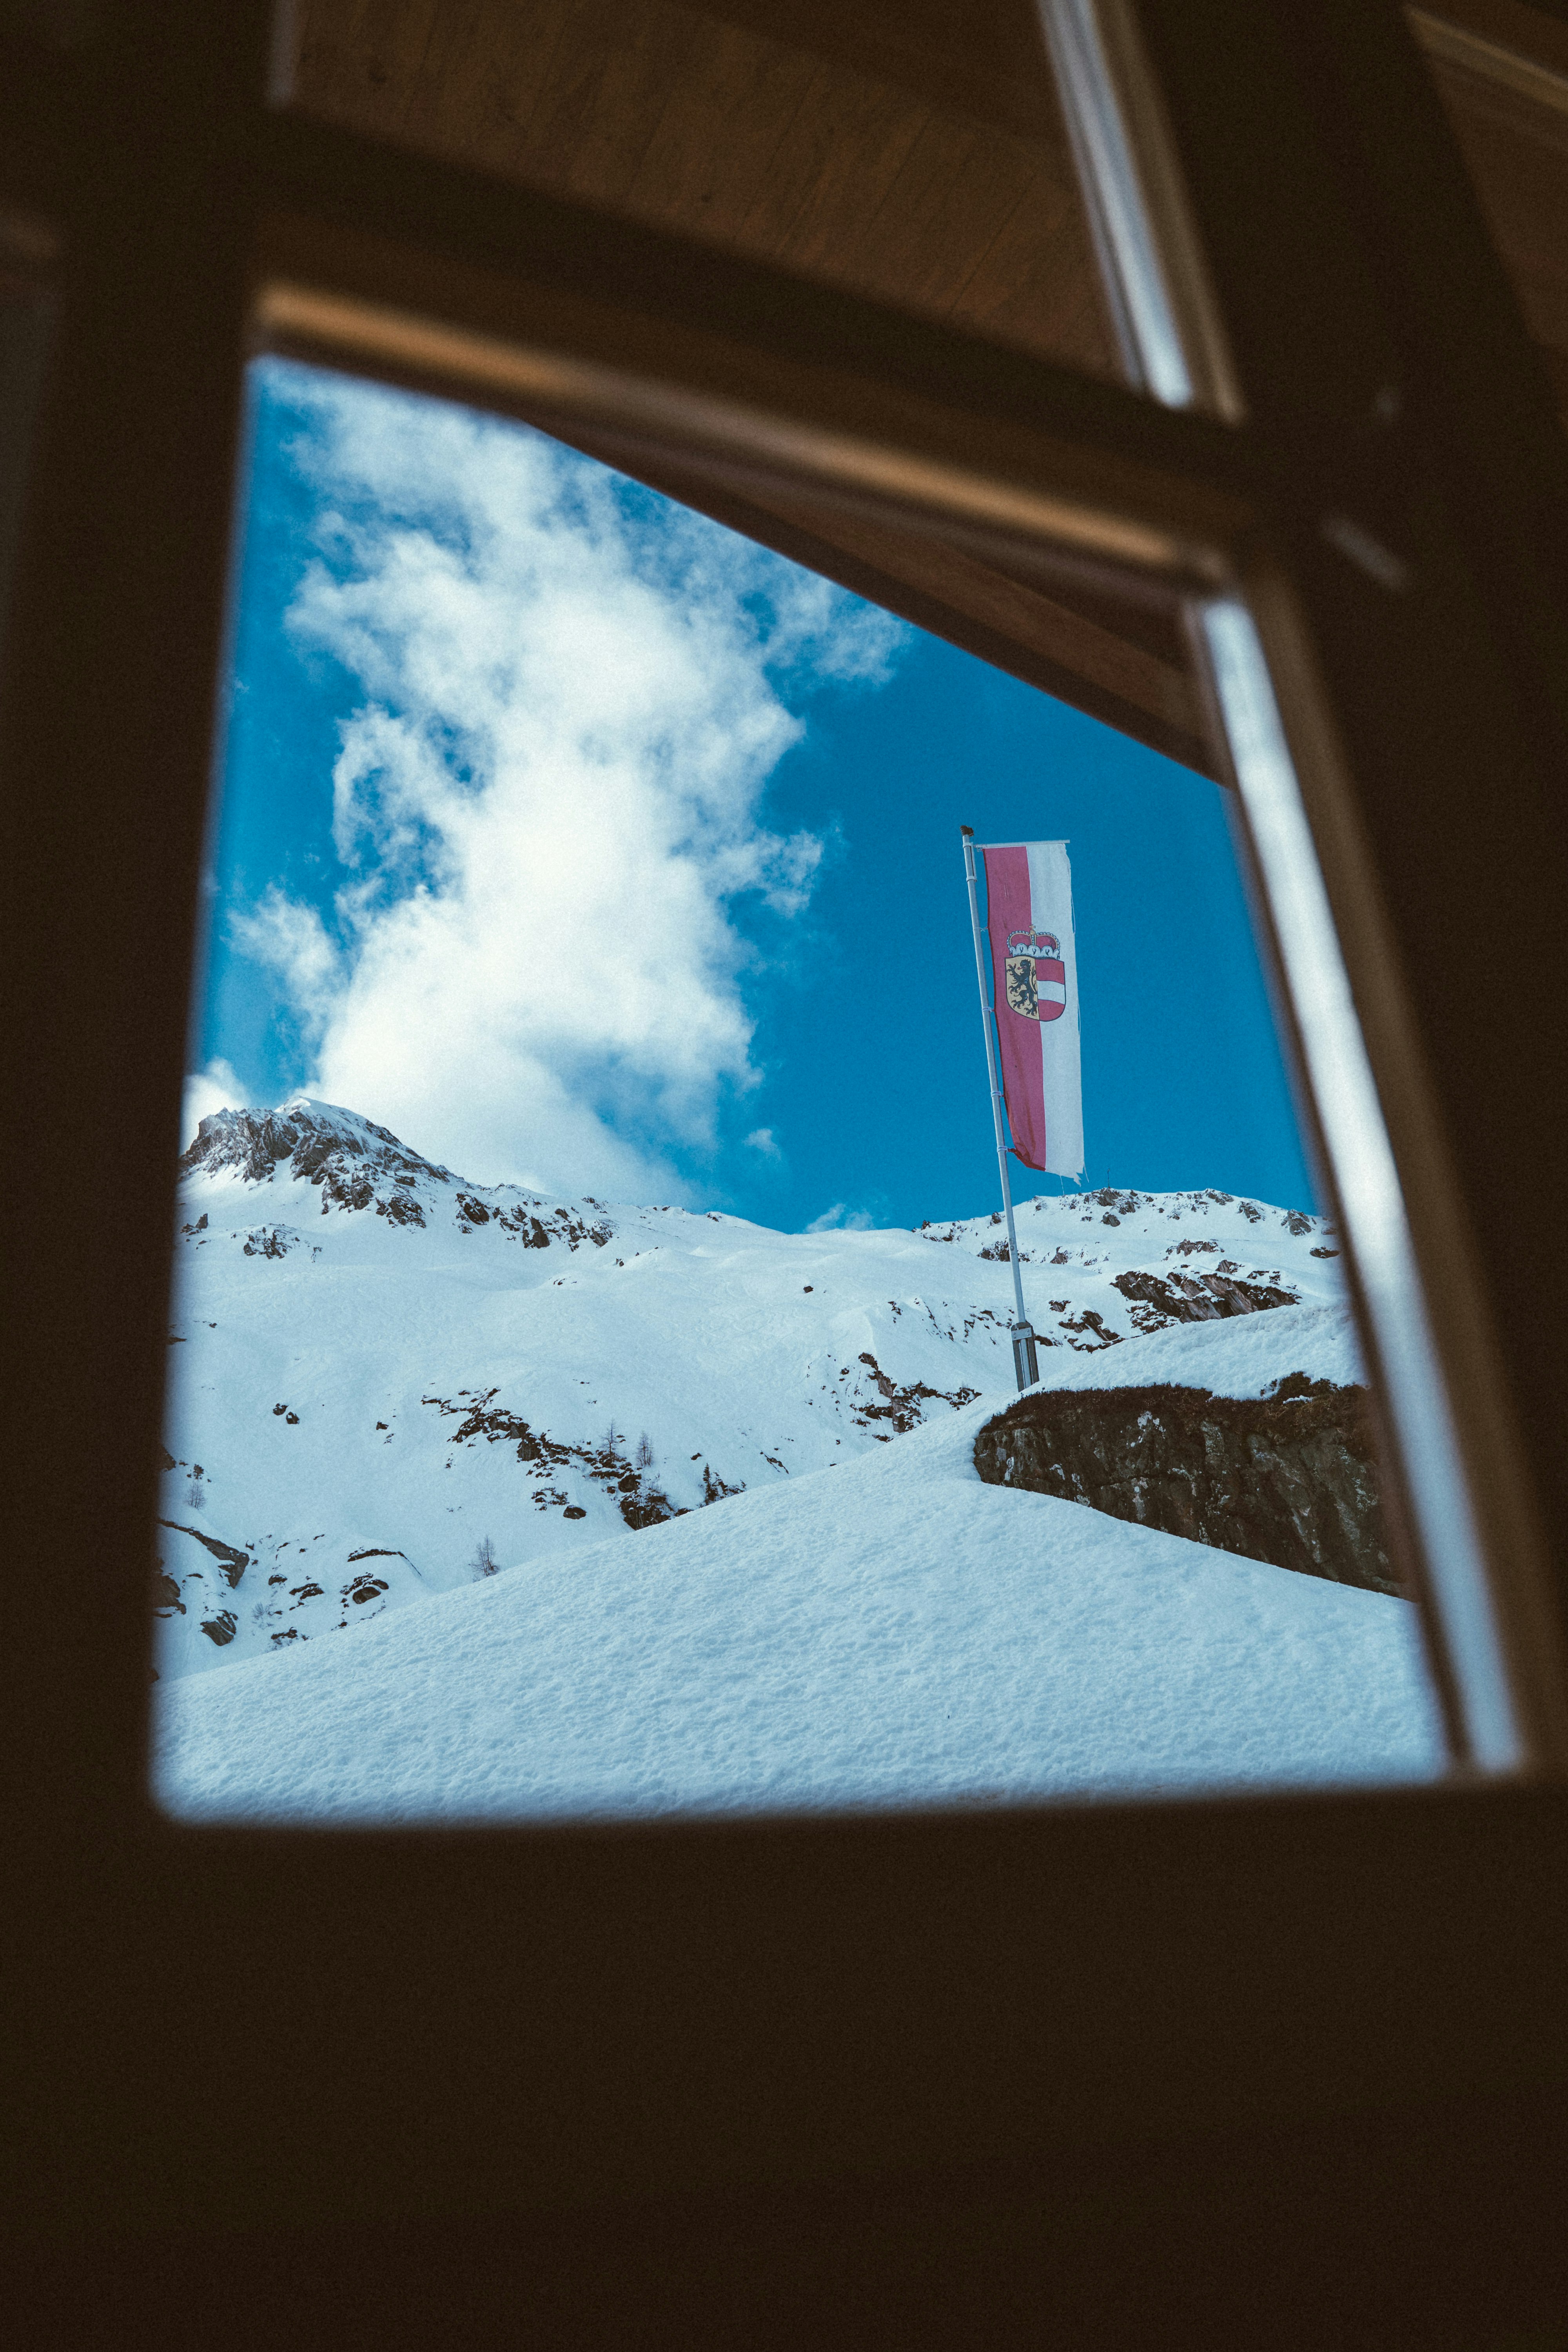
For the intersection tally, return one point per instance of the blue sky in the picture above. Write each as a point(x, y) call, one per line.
point(585, 846)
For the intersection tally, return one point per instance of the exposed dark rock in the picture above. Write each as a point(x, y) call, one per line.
point(1196, 1298)
point(1087, 1332)
point(1288, 1478)
point(646, 1507)
point(230, 1559)
point(902, 1408)
point(220, 1629)
point(400, 1209)
point(641, 1504)
point(276, 1241)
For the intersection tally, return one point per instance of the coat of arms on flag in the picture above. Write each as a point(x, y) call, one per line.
point(1036, 976)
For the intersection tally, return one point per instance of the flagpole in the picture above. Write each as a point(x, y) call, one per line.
point(1024, 1358)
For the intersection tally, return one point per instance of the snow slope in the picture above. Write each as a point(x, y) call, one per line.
point(889, 1632)
point(376, 1364)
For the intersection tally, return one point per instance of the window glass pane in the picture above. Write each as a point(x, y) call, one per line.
point(911, 152)
point(592, 1383)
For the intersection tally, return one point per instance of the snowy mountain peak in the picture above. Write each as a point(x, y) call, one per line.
point(349, 1163)
point(317, 1140)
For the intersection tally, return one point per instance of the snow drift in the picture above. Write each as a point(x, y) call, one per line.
point(895, 1632)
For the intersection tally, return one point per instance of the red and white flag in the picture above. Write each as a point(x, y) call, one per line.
point(1034, 974)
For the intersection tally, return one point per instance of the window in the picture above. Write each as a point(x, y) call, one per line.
point(588, 919)
point(1216, 2019)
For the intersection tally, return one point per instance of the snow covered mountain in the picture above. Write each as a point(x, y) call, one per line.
point(385, 1380)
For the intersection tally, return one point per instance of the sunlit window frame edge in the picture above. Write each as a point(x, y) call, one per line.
point(788, 433)
point(1494, 1636)
point(1152, 260)
point(1423, 1302)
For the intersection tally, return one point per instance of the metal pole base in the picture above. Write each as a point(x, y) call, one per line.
point(1025, 1362)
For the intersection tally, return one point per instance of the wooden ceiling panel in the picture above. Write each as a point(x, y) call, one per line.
point(1518, 156)
point(984, 60)
point(1501, 71)
point(715, 145)
point(881, 155)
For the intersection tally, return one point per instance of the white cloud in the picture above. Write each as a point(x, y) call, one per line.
point(841, 1219)
point(763, 1140)
point(547, 805)
point(214, 1089)
point(292, 940)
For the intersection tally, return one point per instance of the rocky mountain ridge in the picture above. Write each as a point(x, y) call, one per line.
point(356, 1165)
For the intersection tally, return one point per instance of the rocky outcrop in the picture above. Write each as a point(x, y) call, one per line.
point(229, 1558)
point(1288, 1477)
point(902, 1408)
point(641, 1501)
point(1197, 1299)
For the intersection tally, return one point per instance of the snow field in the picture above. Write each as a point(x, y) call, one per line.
point(409, 1339)
point(890, 1632)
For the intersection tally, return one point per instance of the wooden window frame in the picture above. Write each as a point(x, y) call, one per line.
point(1022, 2053)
